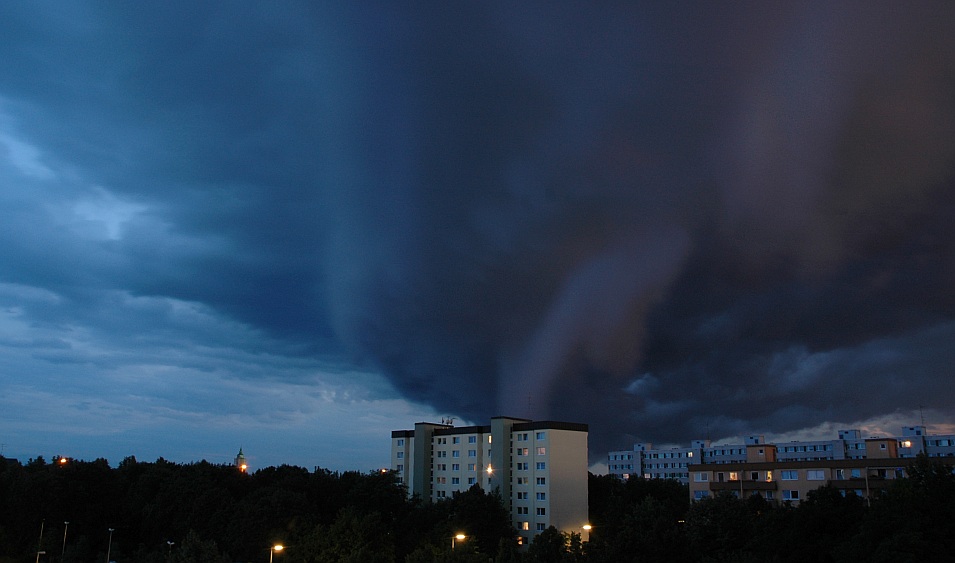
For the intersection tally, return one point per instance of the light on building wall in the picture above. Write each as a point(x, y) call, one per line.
point(689, 454)
point(906, 443)
point(489, 469)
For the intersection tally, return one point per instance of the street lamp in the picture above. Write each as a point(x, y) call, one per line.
point(66, 526)
point(273, 549)
point(109, 546)
point(458, 537)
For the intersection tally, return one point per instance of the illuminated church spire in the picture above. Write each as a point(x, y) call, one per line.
point(240, 462)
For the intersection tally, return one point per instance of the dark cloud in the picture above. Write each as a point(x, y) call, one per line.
point(662, 222)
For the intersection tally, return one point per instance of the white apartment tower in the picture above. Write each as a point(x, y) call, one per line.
point(539, 468)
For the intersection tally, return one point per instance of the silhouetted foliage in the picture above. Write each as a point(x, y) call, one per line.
point(163, 512)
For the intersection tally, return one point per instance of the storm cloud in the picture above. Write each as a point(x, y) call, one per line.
point(665, 221)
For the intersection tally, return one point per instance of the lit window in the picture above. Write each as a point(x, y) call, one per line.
point(541, 450)
point(524, 525)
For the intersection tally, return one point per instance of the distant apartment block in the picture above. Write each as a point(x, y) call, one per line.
point(539, 468)
point(674, 463)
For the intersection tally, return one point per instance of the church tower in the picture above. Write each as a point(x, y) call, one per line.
point(240, 463)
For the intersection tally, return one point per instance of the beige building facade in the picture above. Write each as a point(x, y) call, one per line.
point(538, 467)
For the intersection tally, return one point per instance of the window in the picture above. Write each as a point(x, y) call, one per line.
point(540, 436)
point(522, 451)
point(789, 475)
point(790, 495)
point(489, 439)
point(522, 466)
point(442, 467)
point(541, 480)
point(442, 440)
point(541, 450)
point(521, 436)
point(523, 525)
point(455, 467)
point(456, 453)
point(441, 494)
point(401, 442)
point(472, 480)
point(699, 495)
point(701, 477)
point(522, 480)
point(856, 473)
point(541, 527)
point(522, 510)
point(401, 455)
point(815, 475)
point(541, 496)
point(769, 495)
point(400, 467)
point(522, 495)
point(472, 453)
point(470, 467)
point(734, 475)
point(754, 476)
point(456, 440)
point(455, 481)
point(541, 465)
point(442, 480)
point(472, 439)
point(541, 511)
point(840, 474)
point(442, 454)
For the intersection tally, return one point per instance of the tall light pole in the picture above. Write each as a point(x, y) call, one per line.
point(66, 526)
point(273, 549)
point(109, 546)
point(39, 543)
point(458, 537)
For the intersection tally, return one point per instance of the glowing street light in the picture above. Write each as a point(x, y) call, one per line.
point(273, 549)
point(457, 538)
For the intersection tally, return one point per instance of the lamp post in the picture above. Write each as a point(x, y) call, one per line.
point(39, 543)
point(273, 549)
point(457, 538)
point(109, 546)
point(66, 526)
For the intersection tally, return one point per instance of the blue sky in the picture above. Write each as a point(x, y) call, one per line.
point(295, 228)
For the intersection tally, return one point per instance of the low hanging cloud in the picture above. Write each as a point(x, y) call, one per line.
point(718, 221)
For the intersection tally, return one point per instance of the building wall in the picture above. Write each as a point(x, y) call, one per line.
point(538, 468)
point(791, 481)
point(671, 463)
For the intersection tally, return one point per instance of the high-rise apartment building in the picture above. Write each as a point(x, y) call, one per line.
point(538, 467)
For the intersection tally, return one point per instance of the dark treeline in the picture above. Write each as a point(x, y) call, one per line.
point(164, 512)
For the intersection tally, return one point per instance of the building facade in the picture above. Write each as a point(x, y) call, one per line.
point(674, 463)
point(538, 467)
point(782, 480)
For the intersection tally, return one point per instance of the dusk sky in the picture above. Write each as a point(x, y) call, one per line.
point(293, 227)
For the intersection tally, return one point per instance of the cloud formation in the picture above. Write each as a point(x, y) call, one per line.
point(666, 223)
